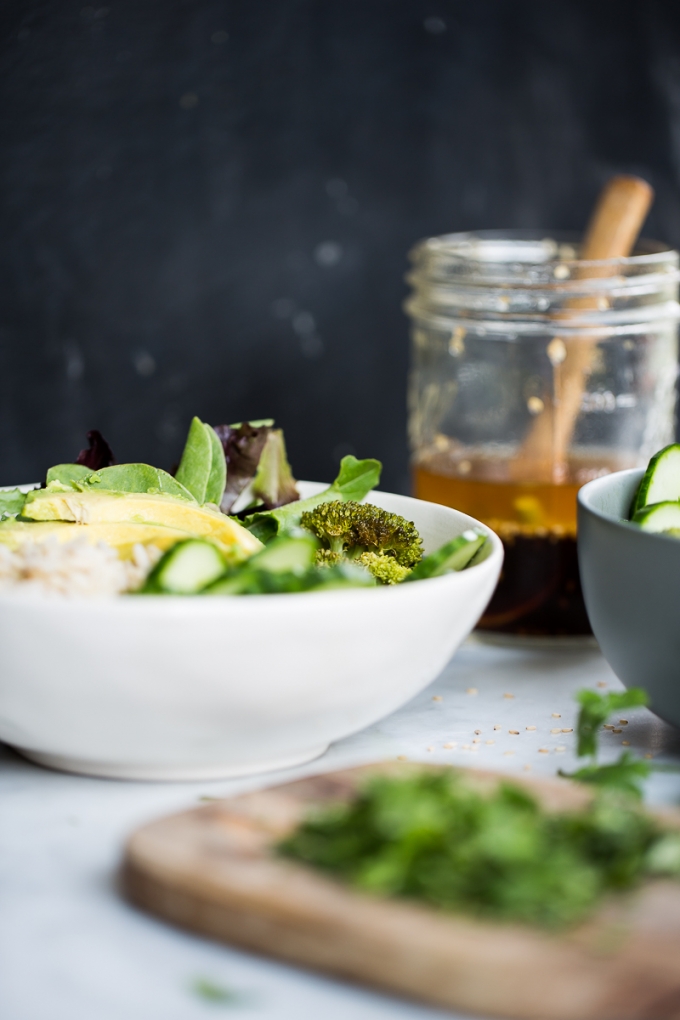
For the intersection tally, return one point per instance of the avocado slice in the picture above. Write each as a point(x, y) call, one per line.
point(99, 507)
point(122, 536)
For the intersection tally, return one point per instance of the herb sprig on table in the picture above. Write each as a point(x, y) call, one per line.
point(628, 773)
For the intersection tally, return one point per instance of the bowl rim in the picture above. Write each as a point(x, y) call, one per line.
point(293, 600)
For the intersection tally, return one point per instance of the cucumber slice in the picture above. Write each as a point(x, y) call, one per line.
point(286, 554)
point(186, 568)
point(661, 481)
point(453, 555)
point(659, 517)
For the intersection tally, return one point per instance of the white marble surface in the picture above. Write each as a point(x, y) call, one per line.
point(72, 949)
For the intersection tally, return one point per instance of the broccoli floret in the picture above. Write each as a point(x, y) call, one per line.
point(384, 567)
point(327, 558)
point(349, 530)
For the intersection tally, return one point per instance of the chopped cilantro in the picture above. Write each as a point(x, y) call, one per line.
point(431, 837)
point(210, 991)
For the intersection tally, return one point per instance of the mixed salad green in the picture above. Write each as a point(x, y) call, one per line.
point(230, 520)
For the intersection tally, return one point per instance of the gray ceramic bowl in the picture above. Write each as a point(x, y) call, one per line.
point(631, 586)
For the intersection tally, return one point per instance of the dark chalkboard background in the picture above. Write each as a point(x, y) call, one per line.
point(206, 206)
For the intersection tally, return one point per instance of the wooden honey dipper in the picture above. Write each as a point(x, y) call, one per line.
point(614, 226)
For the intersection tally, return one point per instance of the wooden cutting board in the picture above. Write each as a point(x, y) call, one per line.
point(212, 870)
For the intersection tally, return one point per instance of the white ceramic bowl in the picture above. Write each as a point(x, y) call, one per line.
point(199, 688)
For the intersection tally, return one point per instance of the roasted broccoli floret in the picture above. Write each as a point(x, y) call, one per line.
point(384, 567)
point(388, 545)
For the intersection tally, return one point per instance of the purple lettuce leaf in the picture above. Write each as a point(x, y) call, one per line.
point(244, 446)
point(98, 455)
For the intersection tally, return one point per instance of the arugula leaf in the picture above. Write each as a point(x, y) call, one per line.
point(11, 503)
point(626, 775)
point(355, 480)
point(596, 709)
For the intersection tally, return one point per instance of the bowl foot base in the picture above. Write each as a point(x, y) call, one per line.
point(169, 773)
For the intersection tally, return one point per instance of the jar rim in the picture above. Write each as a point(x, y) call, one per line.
point(527, 248)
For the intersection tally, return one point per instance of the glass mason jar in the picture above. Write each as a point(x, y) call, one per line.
point(533, 372)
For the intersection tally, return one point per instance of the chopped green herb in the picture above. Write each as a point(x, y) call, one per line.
point(431, 837)
point(626, 775)
point(596, 709)
point(210, 991)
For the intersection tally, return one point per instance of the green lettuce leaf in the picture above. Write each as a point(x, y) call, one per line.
point(355, 480)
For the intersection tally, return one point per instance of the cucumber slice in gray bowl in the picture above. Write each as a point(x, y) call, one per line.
point(661, 481)
point(660, 517)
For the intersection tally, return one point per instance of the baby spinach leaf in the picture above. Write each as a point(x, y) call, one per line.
point(217, 479)
point(135, 478)
point(194, 468)
point(68, 474)
point(11, 503)
point(202, 469)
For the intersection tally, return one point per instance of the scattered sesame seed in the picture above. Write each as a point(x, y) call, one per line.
point(508, 695)
point(602, 683)
point(490, 741)
point(543, 750)
point(623, 722)
point(471, 690)
point(402, 757)
point(531, 727)
point(617, 729)
point(567, 729)
point(451, 743)
point(515, 733)
point(437, 697)
point(559, 749)
point(497, 727)
point(625, 743)
point(557, 715)
point(508, 753)
point(558, 730)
